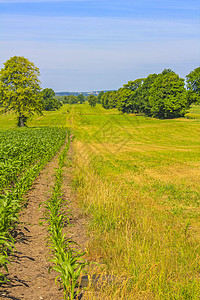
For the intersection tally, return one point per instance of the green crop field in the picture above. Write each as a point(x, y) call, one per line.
point(138, 180)
point(23, 153)
point(25, 148)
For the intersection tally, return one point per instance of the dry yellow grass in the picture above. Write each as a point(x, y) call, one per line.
point(142, 194)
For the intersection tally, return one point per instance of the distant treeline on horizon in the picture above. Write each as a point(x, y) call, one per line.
point(95, 93)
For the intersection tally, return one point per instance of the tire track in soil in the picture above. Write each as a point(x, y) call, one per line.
point(28, 273)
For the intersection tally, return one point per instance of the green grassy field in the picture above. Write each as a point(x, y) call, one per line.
point(194, 112)
point(139, 181)
point(49, 118)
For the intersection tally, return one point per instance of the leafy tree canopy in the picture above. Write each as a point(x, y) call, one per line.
point(48, 93)
point(166, 71)
point(168, 96)
point(81, 98)
point(193, 86)
point(92, 100)
point(144, 93)
point(49, 101)
point(20, 88)
point(109, 99)
point(124, 101)
point(105, 100)
point(100, 96)
point(133, 85)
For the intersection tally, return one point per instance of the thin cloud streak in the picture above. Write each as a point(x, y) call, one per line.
point(169, 4)
point(94, 30)
point(115, 8)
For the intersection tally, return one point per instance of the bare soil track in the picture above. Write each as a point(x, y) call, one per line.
point(28, 275)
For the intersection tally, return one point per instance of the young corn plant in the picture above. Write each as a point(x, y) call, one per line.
point(66, 260)
point(5, 244)
point(9, 208)
point(69, 266)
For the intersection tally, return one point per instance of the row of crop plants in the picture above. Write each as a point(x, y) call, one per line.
point(67, 261)
point(23, 153)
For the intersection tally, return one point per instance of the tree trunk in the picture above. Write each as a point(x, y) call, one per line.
point(21, 121)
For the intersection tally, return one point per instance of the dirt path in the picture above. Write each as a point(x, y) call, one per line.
point(28, 273)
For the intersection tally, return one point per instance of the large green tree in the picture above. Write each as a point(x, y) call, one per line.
point(100, 96)
point(168, 96)
point(20, 88)
point(105, 100)
point(124, 101)
point(81, 98)
point(193, 86)
point(109, 99)
point(142, 95)
point(92, 100)
point(48, 93)
point(49, 101)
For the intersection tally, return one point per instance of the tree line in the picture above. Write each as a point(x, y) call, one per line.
point(80, 99)
point(163, 95)
point(52, 102)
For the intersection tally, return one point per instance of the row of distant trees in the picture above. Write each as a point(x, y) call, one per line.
point(51, 102)
point(72, 99)
point(163, 95)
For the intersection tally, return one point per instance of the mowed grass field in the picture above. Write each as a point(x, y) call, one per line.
point(138, 180)
point(49, 118)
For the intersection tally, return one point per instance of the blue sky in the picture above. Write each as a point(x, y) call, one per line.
point(83, 45)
